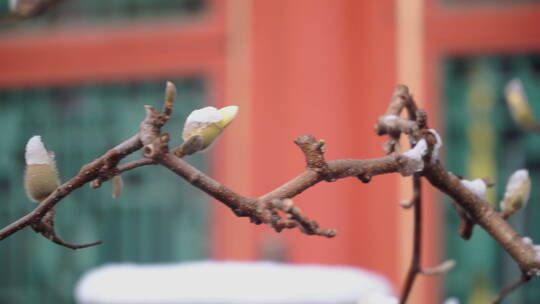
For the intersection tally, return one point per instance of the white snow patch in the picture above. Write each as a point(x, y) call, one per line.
point(35, 152)
point(389, 119)
point(437, 147)
point(534, 272)
point(414, 162)
point(528, 241)
point(12, 5)
point(451, 301)
point(204, 115)
point(199, 119)
point(537, 249)
point(476, 186)
point(227, 282)
point(377, 298)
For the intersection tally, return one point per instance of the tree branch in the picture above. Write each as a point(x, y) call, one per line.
point(87, 173)
point(276, 208)
point(507, 290)
point(415, 267)
point(45, 227)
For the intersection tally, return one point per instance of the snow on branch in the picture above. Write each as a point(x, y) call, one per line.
point(277, 208)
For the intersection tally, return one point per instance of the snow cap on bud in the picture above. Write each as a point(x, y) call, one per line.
point(207, 123)
point(518, 104)
point(35, 152)
point(41, 176)
point(477, 186)
point(412, 159)
point(517, 192)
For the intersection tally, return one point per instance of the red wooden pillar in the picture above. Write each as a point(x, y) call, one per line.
point(326, 68)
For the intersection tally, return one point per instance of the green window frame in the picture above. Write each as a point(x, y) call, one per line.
point(158, 217)
point(113, 10)
point(483, 141)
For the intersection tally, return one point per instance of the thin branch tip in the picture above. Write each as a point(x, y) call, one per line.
point(170, 96)
point(440, 269)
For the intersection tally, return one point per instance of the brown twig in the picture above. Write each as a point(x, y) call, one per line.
point(87, 173)
point(45, 227)
point(508, 289)
point(442, 268)
point(275, 207)
point(262, 210)
point(479, 210)
point(414, 268)
point(178, 151)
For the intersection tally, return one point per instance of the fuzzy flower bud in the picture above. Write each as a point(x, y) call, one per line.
point(518, 104)
point(207, 123)
point(41, 176)
point(517, 192)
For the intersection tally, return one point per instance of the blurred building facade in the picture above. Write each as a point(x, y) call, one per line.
point(80, 74)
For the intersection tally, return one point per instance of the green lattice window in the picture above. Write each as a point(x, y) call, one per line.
point(465, 2)
point(158, 218)
point(482, 140)
point(115, 10)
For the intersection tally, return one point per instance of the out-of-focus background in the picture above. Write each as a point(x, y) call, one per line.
point(80, 74)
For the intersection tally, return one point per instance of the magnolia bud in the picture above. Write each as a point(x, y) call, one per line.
point(41, 176)
point(518, 104)
point(117, 186)
point(207, 124)
point(517, 193)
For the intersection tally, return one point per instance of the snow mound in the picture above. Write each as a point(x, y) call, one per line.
point(228, 282)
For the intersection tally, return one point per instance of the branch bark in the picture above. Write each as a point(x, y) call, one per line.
point(276, 207)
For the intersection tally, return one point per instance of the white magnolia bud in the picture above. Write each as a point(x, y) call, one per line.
point(518, 104)
point(517, 192)
point(117, 186)
point(41, 176)
point(207, 123)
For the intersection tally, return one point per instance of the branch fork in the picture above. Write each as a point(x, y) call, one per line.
point(276, 208)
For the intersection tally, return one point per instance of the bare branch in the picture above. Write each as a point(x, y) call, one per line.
point(313, 150)
point(483, 214)
point(507, 290)
point(415, 268)
point(45, 227)
point(170, 95)
point(442, 268)
point(87, 173)
point(276, 208)
point(101, 169)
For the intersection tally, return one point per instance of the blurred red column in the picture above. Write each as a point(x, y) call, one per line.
point(327, 68)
